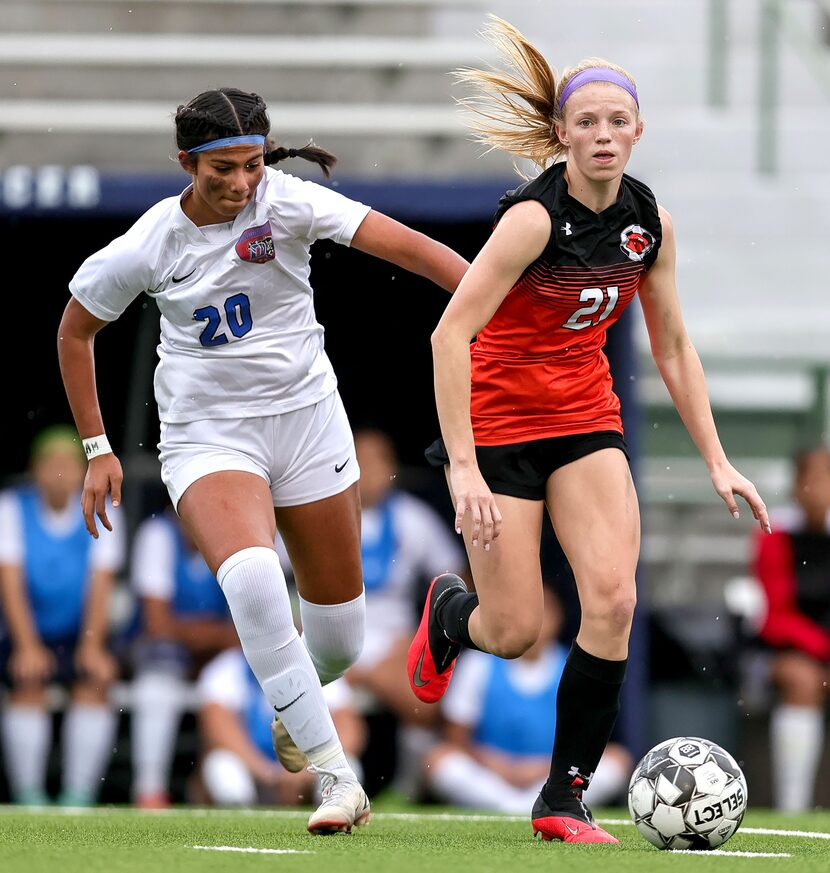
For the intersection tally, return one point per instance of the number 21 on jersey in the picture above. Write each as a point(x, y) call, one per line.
point(600, 298)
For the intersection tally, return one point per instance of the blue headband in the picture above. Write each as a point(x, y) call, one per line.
point(249, 139)
point(597, 74)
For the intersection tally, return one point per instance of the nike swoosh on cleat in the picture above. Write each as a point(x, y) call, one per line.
point(417, 678)
point(177, 279)
point(283, 708)
point(572, 831)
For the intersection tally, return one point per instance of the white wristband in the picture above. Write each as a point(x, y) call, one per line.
point(95, 446)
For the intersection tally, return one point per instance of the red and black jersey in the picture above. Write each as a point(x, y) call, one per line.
point(538, 367)
point(794, 569)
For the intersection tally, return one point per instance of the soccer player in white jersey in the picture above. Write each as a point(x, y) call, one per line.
point(253, 432)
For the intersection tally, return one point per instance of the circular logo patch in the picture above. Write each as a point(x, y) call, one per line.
point(636, 242)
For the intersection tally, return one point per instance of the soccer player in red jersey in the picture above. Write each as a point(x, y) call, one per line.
point(529, 418)
point(793, 568)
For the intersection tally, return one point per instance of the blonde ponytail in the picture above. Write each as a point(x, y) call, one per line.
point(517, 110)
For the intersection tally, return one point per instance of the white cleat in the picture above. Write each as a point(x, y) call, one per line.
point(344, 805)
point(286, 749)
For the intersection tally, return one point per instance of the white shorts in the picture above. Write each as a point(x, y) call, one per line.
point(304, 455)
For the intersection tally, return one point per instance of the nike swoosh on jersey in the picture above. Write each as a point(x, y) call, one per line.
point(177, 279)
point(339, 467)
point(283, 708)
point(417, 678)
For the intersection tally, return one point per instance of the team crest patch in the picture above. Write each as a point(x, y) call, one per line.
point(256, 245)
point(636, 242)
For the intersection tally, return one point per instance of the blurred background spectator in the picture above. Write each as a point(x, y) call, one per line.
point(184, 622)
point(55, 588)
point(793, 566)
point(238, 766)
point(500, 724)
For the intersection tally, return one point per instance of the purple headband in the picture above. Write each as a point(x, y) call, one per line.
point(597, 74)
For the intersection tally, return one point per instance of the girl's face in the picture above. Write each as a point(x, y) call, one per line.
point(58, 474)
point(601, 126)
point(224, 182)
point(377, 467)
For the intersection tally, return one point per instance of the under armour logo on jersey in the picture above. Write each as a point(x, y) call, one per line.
point(567, 228)
point(256, 245)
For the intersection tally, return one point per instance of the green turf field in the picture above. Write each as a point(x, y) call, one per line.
point(420, 839)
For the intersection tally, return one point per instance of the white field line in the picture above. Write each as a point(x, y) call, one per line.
point(252, 851)
point(769, 832)
point(725, 853)
point(776, 832)
point(11, 809)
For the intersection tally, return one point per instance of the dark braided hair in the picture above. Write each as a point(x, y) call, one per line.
point(230, 112)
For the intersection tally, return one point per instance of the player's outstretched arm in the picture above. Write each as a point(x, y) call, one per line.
point(76, 336)
point(679, 365)
point(386, 238)
point(518, 240)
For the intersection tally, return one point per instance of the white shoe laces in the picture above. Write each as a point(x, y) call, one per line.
point(335, 789)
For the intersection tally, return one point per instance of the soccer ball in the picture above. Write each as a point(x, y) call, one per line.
point(687, 793)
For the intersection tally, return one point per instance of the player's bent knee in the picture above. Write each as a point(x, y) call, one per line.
point(622, 611)
point(613, 613)
point(254, 586)
point(512, 642)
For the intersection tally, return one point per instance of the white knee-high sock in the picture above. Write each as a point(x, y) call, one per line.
point(796, 740)
point(333, 635)
point(27, 738)
point(463, 781)
point(88, 734)
point(255, 589)
point(158, 703)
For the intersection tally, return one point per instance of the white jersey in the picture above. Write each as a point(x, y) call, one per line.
point(239, 336)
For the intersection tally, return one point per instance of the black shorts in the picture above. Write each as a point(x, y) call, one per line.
point(523, 469)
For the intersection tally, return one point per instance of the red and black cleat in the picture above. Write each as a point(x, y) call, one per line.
point(432, 655)
point(571, 822)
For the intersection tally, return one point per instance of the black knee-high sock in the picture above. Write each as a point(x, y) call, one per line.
point(587, 704)
point(454, 615)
